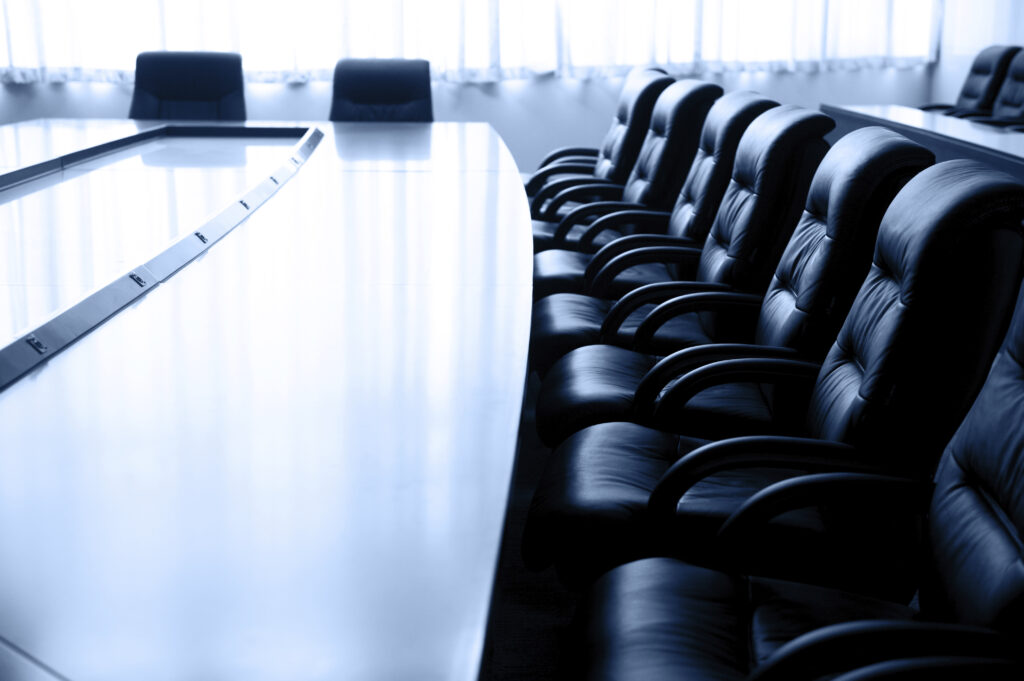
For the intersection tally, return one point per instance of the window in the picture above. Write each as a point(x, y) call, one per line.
point(469, 40)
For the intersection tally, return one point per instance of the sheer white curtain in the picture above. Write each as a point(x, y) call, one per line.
point(465, 40)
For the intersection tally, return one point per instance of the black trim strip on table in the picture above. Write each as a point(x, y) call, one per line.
point(24, 354)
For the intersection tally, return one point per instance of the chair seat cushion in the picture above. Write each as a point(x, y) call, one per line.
point(562, 271)
point(590, 385)
point(565, 321)
point(596, 384)
point(662, 619)
point(590, 510)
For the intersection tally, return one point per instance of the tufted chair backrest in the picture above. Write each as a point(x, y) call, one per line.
point(928, 318)
point(701, 194)
point(775, 160)
point(986, 75)
point(188, 86)
point(621, 144)
point(1010, 99)
point(830, 250)
point(670, 143)
point(977, 510)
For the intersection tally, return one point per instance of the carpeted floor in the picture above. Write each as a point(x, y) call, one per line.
point(530, 611)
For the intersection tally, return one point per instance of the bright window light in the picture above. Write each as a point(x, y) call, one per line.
point(465, 40)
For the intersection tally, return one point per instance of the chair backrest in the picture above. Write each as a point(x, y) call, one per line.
point(830, 250)
point(986, 75)
point(621, 144)
point(775, 161)
point(928, 318)
point(977, 511)
point(1009, 101)
point(382, 90)
point(670, 143)
point(701, 194)
point(188, 86)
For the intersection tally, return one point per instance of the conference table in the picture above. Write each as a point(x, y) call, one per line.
point(261, 391)
point(948, 137)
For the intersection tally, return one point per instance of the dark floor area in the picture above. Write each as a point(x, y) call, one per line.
point(530, 611)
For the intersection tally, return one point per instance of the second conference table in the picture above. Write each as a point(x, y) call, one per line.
point(290, 459)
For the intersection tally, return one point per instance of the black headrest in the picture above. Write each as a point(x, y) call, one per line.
point(709, 173)
point(786, 127)
point(830, 250)
point(188, 75)
point(621, 144)
point(1009, 101)
point(188, 85)
point(977, 512)
point(670, 143)
point(382, 89)
point(926, 322)
point(774, 162)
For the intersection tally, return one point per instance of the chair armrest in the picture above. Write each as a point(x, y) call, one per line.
point(604, 191)
point(643, 221)
point(757, 451)
point(540, 178)
point(936, 107)
point(579, 214)
point(680, 255)
point(552, 188)
point(562, 152)
point(701, 302)
point(841, 647)
point(776, 371)
point(631, 241)
point(904, 496)
point(650, 293)
point(682, 362)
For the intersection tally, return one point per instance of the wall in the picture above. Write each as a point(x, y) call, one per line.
point(532, 116)
point(968, 27)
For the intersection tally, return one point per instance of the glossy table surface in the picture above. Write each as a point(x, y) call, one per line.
point(988, 137)
point(292, 459)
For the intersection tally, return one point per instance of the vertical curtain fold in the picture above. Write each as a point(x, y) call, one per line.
point(468, 40)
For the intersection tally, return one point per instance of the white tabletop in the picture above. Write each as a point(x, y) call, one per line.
point(988, 137)
point(290, 461)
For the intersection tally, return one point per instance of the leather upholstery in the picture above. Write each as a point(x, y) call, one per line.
point(1009, 102)
point(982, 83)
point(986, 76)
point(382, 90)
point(562, 270)
point(670, 143)
point(664, 156)
point(774, 162)
point(622, 142)
point(661, 618)
point(811, 291)
point(906, 364)
point(188, 86)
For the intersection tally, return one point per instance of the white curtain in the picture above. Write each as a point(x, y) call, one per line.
point(466, 40)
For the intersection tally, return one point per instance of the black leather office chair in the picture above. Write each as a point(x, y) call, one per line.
point(661, 618)
point(614, 159)
point(819, 273)
point(379, 90)
point(905, 366)
point(982, 83)
point(188, 86)
point(1008, 107)
point(775, 161)
point(559, 270)
point(655, 179)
